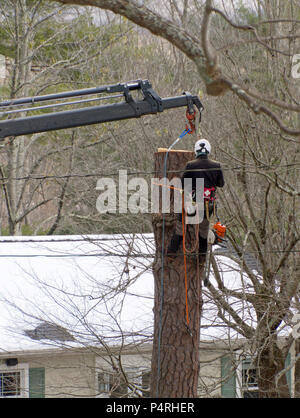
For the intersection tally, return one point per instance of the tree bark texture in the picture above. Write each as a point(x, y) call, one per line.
point(175, 358)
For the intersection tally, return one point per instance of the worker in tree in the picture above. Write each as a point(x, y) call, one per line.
point(211, 172)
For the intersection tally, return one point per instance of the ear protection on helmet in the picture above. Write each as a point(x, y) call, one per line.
point(202, 146)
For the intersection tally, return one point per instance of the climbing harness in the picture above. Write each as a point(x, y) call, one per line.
point(209, 201)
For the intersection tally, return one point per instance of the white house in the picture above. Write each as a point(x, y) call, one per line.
point(76, 312)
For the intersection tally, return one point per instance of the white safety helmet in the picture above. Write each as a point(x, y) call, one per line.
point(202, 146)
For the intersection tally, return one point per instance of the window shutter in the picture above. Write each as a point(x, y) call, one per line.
point(37, 382)
point(228, 389)
point(289, 372)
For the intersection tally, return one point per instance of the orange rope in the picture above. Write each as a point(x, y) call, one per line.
point(184, 249)
point(196, 248)
point(169, 187)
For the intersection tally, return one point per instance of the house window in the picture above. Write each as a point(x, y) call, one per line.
point(111, 386)
point(14, 381)
point(249, 380)
point(140, 382)
point(104, 385)
point(10, 384)
point(114, 386)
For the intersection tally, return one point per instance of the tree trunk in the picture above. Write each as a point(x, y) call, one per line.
point(272, 362)
point(19, 87)
point(175, 357)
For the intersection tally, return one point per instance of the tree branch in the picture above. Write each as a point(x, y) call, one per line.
point(24, 214)
point(203, 55)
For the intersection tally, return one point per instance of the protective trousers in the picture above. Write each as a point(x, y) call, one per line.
point(178, 235)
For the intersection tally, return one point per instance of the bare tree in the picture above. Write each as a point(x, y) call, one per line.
point(265, 109)
point(44, 52)
point(21, 21)
point(202, 53)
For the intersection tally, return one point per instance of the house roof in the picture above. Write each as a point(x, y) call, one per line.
point(74, 288)
point(70, 291)
point(251, 262)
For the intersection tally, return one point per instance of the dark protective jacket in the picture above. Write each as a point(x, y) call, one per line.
point(202, 167)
